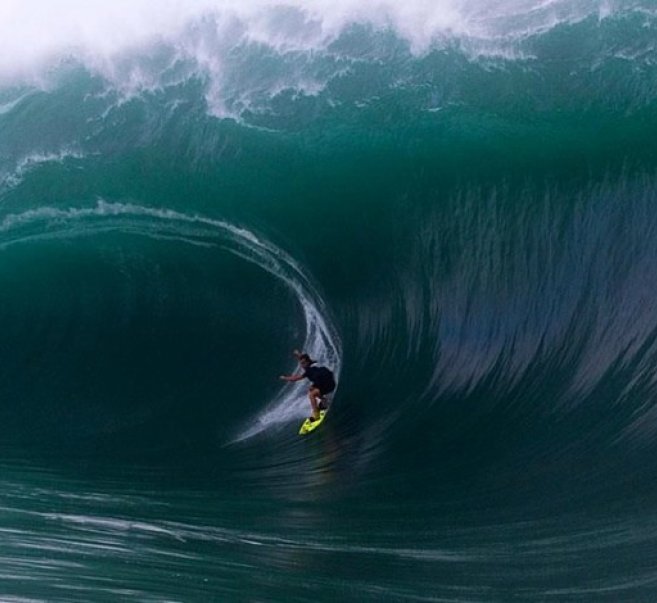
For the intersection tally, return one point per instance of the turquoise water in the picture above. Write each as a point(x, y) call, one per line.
point(453, 207)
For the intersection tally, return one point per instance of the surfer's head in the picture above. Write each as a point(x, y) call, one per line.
point(305, 360)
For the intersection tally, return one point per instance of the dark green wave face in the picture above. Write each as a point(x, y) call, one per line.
point(454, 208)
point(116, 336)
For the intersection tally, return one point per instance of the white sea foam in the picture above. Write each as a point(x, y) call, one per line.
point(321, 338)
point(9, 106)
point(247, 53)
point(32, 161)
point(36, 35)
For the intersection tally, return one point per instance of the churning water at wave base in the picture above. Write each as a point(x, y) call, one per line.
point(452, 204)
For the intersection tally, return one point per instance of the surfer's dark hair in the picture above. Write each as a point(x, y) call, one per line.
point(307, 358)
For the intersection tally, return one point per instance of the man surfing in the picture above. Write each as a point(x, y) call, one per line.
point(322, 382)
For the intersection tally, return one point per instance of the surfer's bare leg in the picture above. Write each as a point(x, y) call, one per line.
point(314, 395)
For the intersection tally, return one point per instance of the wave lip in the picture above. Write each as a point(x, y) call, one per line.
point(245, 53)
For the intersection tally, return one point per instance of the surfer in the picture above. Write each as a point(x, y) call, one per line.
point(322, 382)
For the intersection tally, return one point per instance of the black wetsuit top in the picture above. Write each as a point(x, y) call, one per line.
point(321, 377)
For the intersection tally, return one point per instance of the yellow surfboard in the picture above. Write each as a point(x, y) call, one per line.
point(308, 425)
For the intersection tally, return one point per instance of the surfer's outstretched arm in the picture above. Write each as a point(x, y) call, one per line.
point(291, 377)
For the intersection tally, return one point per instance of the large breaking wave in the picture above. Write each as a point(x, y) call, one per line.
point(452, 204)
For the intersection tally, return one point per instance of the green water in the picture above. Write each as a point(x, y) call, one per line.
point(464, 232)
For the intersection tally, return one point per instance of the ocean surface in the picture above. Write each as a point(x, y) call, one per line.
point(452, 204)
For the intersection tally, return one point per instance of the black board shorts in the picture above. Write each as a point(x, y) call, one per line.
point(321, 379)
point(324, 388)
